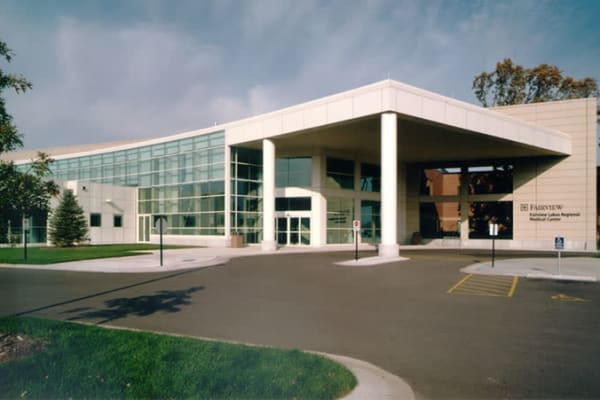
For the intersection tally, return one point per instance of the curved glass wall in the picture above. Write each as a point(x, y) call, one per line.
point(183, 179)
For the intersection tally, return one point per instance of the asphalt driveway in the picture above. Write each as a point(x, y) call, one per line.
point(540, 343)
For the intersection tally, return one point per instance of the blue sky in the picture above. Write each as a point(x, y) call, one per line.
point(115, 70)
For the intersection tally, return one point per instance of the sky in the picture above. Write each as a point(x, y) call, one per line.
point(109, 70)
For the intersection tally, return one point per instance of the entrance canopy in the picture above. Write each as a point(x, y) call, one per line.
point(430, 127)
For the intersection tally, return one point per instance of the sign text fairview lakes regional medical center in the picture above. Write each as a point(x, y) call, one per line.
point(547, 212)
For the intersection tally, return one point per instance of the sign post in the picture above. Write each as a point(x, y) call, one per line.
point(25, 234)
point(356, 228)
point(493, 234)
point(559, 244)
point(161, 226)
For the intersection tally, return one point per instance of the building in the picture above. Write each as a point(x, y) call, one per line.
point(404, 161)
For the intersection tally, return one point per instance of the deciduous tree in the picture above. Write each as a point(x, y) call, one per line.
point(22, 192)
point(511, 83)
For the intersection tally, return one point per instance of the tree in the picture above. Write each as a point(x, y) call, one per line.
point(511, 83)
point(68, 224)
point(22, 192)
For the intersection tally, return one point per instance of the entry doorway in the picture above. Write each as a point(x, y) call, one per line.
point(292, 229)
point(144, 227)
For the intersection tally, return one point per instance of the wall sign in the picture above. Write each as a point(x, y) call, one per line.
point(548, 212)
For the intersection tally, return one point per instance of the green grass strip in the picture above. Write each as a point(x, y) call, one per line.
point(82, 361)
point(52, 255)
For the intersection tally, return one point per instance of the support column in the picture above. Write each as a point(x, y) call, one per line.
point(268, 242)
point(389, 186)
point(463, 192)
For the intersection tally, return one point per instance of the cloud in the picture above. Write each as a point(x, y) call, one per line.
point(161, 69)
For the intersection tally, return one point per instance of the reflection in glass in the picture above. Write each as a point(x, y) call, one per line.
point(340, 213)
point(483, 213)
point(370, 178)
point(440, 181)
point(440, 219)
point(370, 221)
point(340, 173)
point(490, 179)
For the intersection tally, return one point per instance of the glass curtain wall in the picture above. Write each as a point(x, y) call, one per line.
point(340, 213)
point(293, 171)
point(370, 178)
point(340, 174)
point(183, 180)
point(246, 193)
point(441, 200)
point(370, 221)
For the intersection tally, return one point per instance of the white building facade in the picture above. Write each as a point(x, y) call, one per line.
point(411, 165)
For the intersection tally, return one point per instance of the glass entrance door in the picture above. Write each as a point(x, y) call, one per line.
point(293, 230)
point(144, 228)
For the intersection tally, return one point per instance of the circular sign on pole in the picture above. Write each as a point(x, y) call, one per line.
point(356, 225)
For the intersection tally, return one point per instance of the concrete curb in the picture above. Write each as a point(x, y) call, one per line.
point(576, 278)
point(373, 382)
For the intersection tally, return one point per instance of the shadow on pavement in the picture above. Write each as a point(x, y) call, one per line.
point(166, 301)
point(104, 292)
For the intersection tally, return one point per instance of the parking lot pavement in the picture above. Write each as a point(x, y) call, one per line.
point(541, 342)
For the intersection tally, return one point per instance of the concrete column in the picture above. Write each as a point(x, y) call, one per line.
point(268, 242)
point(464, 207)
point(318, 223)
point(389, 186)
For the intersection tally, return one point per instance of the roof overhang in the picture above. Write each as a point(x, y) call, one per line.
point(430, 127)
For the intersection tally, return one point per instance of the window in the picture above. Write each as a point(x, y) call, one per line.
point(340, 214)
point(292, 204)
point(370, 178)
point(440, 219)
point(440, 181)
point(293, 172)
point(95, 219)
point(340, 173)
point(246, 190)
point(490, 179)
point(483, 213)
point(370, 221)
point(118, 221)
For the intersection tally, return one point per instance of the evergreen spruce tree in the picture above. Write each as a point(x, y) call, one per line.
point(68, 224)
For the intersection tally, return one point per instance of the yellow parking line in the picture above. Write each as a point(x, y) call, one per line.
point(459, 283)
point(485, 285)
point(514, 286)
point(475, 292)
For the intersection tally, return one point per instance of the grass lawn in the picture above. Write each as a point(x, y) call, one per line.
point(82, 361)
point(51, 255)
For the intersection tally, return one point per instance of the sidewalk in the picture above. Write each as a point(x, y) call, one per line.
point(584, 269)
point(174, 260)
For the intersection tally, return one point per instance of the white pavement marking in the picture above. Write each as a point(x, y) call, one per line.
point(368, 261)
